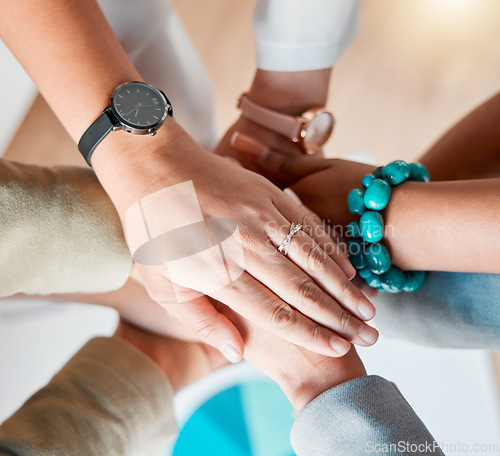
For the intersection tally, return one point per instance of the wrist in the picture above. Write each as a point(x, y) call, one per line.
point(290, 92)
point(318, 377)
point(181, 362)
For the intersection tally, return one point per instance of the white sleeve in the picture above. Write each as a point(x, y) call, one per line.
point(302, 35)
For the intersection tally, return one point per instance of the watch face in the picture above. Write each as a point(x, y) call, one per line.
point(139, 105)
point(319, 129)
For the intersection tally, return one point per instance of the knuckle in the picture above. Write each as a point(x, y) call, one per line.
point(315, 258)
point(309, 294)
point(283, 316)
point(204, 330)
point(317, 332)
point(348, 291)
point(346, 320)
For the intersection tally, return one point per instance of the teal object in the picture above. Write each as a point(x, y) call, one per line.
point(355, 201)
point(377, 195)
point(353, 230)
point(393, 281)
point(365, 273)
point(414, 280)
point(367, 180)
point(377, 172)
point(372, 279)
point(253, 418)
point(356, 253)
point(419, 173)
point(378, 258)
point(396, 172)
point(371, 225)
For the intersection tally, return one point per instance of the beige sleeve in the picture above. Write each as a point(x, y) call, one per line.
point(59, 232)
point(94, 406)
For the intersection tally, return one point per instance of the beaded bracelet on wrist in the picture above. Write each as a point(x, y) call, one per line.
point(367, 254)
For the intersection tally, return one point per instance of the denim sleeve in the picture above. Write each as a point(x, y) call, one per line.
point(367, 415)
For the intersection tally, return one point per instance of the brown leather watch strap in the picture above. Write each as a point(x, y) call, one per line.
point(285, 125)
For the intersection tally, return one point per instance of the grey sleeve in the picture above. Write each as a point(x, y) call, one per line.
point(94, 406)
point(451, 309)
point(367, 415)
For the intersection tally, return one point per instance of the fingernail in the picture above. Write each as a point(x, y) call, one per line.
point(366, 310)
point(368, 334)
point(293, 196)
point(340, 346)
point(248, 145)
point(230, 353)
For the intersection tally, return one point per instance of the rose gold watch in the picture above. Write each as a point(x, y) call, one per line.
point(310, 130)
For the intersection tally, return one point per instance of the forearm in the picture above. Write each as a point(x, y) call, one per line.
point(70, 52)
point(361, 416)
point(445, 226)
point(470, 149)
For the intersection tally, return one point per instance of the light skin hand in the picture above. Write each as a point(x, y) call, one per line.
point(316, 296)
point(316, 305)
point(182, 362)
point(301, 374)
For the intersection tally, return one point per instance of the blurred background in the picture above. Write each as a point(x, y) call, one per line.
point(414, 69)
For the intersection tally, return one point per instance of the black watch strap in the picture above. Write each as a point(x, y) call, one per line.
point(96, 133)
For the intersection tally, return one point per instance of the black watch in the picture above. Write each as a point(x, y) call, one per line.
point(135, 107)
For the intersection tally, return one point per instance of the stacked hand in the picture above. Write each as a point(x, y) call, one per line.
point(306, 299)
point(321, 184)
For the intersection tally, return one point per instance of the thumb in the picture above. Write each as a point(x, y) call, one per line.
point(285, 167)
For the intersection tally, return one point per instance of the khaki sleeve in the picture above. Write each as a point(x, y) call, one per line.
point(59, 232)
point(109, 399)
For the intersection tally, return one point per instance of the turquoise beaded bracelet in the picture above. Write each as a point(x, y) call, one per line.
point(367, 254)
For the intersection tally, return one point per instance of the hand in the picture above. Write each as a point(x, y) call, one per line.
point(301, 374)
point(182, 362)
point(306, 298)
point(321, 184)
point(289, 93)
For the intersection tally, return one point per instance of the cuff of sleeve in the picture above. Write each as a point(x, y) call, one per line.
point(361, 416)
point(282, 57)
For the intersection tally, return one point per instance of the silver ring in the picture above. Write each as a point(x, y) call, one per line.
point(285, 245)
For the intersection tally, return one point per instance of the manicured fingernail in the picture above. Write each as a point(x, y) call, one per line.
point(340, 346)
point(293, 196)
point(230, 353)
point(366, 309)
point(368, 334)
point(248, 145)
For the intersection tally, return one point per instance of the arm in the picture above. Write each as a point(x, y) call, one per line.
point(74, 58)
point(296, 49)
point(470, 149)
point(437, 226)
point(124, 388)
point(340, 410)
